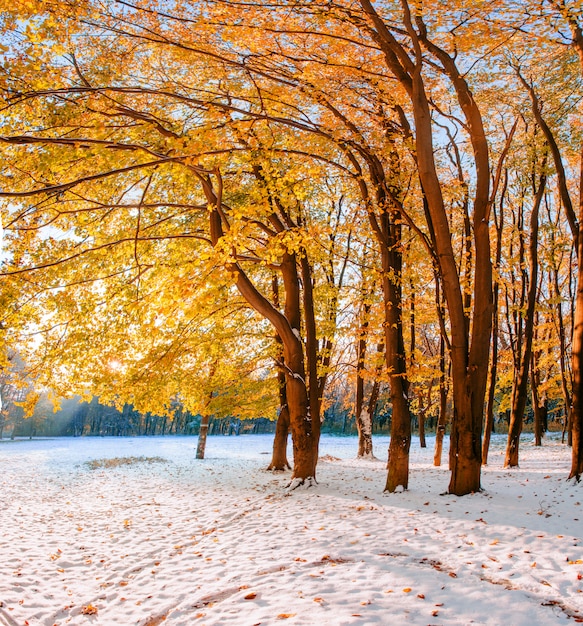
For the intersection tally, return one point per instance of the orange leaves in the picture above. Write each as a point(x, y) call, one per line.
point(89, 609)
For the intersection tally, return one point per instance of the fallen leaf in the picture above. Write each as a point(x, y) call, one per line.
point(407, 590)
point(250, 596)
point(421, 596)
point(285, 615)
point(89, 609)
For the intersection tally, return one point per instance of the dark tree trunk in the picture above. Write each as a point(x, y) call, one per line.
point(499, 226)
point(443, 389)
point(398, 464)
point(519, 388)
point(469, 354)
point(538, 401)
point(577, 409)
point(279, 460)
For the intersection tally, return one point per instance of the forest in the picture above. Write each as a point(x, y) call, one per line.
point(298, 210)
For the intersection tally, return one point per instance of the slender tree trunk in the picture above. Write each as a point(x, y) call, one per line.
point(398, 464)
point(519, 388)
point(363, 418)
point(279, 460)
point(315, 386)
point(421, 418)
point(442, 417)
point(577, 410)
point(499, 225)
point(538, 401)
point(536, 404)
point(202, 435)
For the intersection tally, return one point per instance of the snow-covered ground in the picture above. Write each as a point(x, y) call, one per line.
point(218, 541)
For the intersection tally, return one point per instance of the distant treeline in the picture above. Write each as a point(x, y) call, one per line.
point(76, 418)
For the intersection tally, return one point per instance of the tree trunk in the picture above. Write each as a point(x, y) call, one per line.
point(538, 402)
point(364, 428)
point(519, 388)
point(443, 389)
point(363, 418)
point(279, 460)
point(538, 410)
point(422, 442)
point(398, 463)
point(304, 425)
point(202, 435)
point(499, 226)
point(577, 408)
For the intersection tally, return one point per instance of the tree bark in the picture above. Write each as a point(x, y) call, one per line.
point(304, 423)
point(469, 358)
point(202, 435)
point(577, 408)
point(363, 417)
point(538, 403)
point(519, 388)
point(398, 463)
point(443, 393)
point(279, 460)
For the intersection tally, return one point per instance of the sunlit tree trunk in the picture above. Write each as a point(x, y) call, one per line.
point(202, 436)
point(362, 416)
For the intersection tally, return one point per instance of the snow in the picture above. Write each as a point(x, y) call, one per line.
point(221, 541)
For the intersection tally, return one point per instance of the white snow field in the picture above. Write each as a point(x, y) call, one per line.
point(176, 541)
